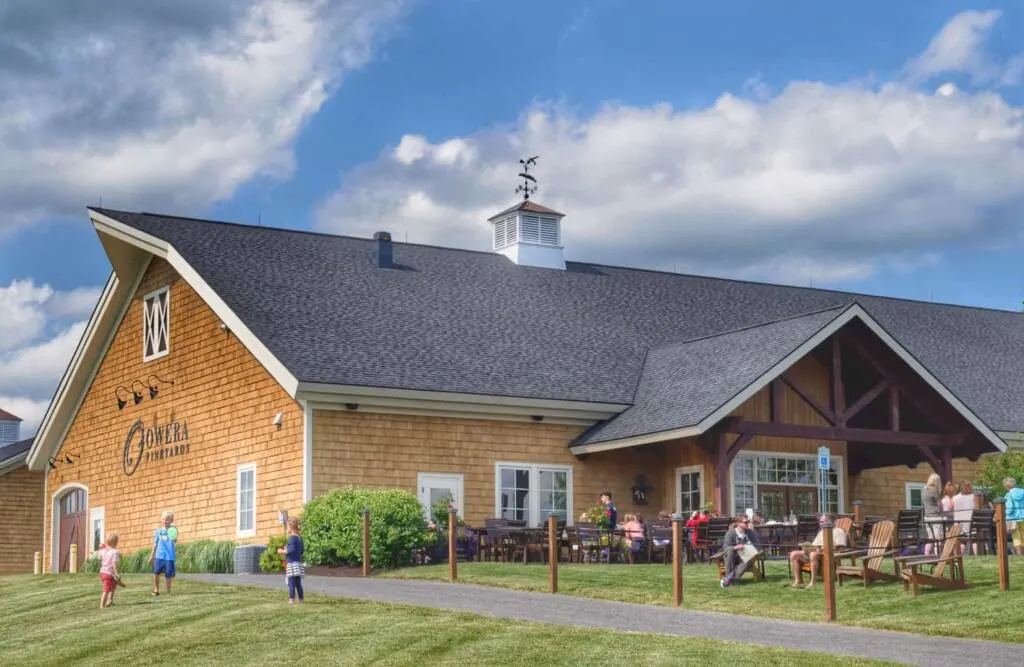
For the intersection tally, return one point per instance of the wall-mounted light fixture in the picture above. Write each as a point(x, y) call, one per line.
point(351, 406)
point(278, 418)
point(223, 327)
point(137, 394)
point(120, 401)
point(52, 462)
point(153, 391)
point(70, 458)
point(537, 418)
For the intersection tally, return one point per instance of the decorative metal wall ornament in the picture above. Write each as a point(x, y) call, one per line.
point(529, 184)
point(641, 490)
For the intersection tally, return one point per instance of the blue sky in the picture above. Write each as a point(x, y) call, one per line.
point(801, 142)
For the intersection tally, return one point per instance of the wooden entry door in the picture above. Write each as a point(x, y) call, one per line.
point(72, 528)
point(776, 502)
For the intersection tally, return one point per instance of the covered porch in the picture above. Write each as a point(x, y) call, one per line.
point(846, 385)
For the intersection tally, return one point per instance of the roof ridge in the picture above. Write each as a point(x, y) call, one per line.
point(620, 267)
point(843, 308)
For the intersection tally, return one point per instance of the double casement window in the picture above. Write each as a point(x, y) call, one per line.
point(531, 492)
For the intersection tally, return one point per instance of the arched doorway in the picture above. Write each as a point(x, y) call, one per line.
point(71, 516)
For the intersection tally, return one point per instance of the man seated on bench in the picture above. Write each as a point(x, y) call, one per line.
point(812, 552)
point(736, 540)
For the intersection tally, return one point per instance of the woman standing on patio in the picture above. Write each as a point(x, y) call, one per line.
point(932, 511)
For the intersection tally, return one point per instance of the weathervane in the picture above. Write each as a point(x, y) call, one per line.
point(526, 188)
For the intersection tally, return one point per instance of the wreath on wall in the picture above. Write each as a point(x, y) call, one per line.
point(641, 490)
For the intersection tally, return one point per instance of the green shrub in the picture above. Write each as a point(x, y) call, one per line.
point(997, 468)
point(332, 527)
point(136, 562)
point(91, 564)
point(439, 510)
point(270, 560)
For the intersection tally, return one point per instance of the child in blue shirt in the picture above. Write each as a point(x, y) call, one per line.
point(294, 571)
point(163, 555)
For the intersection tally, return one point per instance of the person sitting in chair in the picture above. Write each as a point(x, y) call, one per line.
point(739, 536)
point(812, 553)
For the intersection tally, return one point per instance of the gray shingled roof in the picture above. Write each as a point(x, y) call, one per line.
point(15, 450)
point(674, 391)
point(474, 322)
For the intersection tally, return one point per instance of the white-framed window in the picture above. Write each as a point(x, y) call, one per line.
point(156, 324)
point(97, 528)
point(689, 489)
point(914, 495)
point(246, 494)
point(775, 484)
point(531, 492)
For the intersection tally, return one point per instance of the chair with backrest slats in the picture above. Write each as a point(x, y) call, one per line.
point(979, 532)
point(949, 559)
point(659, 539)
point(908, 529)
point(872, 558)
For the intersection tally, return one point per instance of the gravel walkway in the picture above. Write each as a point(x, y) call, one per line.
point(583, 612)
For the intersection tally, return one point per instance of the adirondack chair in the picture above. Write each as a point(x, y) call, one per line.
point(950, 558)
point(870, 568)
point(755, 567)
point(839, 552)
point(845, 523)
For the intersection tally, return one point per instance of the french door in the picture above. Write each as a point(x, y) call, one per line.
point(435, 487)
point(777, 502)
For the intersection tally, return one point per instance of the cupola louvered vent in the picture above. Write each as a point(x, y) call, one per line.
point(530, 235)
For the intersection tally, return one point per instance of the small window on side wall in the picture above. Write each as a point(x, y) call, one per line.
point(156, 324)
point(246, 494)
point(914, 492)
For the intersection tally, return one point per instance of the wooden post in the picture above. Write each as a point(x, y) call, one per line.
point(553, 554)
point(452, 555)
point(366, 542)
point(1001, 558)
point(677, 560)
point(37, 564)
point(828, 572)
point(857, 516)
point(73, 558)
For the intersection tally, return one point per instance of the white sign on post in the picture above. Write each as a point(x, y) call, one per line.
point(824, 458)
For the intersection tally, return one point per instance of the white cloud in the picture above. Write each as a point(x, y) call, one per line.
point(39, 330)
point(822, 182)
point(960, 47)
point(162, 105)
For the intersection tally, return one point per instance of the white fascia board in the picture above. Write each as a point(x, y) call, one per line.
point(277, 370)
point(82, 368)
point(453, 412)
point(636, 441)
point(12, 464)
point(346, 391)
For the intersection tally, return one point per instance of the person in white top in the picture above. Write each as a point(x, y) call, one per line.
point(963, 508)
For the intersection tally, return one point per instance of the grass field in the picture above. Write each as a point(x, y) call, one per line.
point(981, 612)
point(55, 620)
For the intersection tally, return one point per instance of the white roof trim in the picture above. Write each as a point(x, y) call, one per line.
point(277, 370)
point(13, 463)
point(323, 394)
point(45, 439)
point(853, 311)
point(118, 294)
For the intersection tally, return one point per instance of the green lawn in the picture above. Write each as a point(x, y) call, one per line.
point(980, 612)
point(55, 620)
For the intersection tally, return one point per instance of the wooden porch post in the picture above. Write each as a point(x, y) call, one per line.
point(947, 464)
point(1002, 559)
point(722, 474)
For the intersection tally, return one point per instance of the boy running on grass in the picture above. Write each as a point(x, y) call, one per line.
point(162, 557)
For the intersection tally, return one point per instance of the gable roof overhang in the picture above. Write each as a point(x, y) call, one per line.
point(13, 455)
point(130, 252)
point(592, 441)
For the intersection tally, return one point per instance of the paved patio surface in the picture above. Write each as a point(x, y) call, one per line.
point(582, 612)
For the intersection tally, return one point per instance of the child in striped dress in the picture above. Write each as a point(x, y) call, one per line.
point(293, 569)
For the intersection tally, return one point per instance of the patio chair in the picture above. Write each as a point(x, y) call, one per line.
point(659, 540)
point(871, 559)
point(755, 566)
point(908, 529)
point(950, 559)
point(717, 528)
point(980, 530)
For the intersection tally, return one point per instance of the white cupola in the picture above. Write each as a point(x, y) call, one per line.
point(530, 235)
